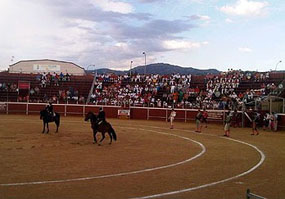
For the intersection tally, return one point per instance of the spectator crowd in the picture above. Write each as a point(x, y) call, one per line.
point(220, 91)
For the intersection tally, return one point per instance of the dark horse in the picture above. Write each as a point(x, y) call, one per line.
point(102, 127)
point(47, 118)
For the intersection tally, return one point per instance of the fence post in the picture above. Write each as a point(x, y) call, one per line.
point(185, 116)
point(84, 110)
point(64, 110)
point(27, 108)
point(7, 109)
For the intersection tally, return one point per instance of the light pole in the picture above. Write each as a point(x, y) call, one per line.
point(93, 83)
point(93, 69)
point(131, 68)
point(277, 64)
point(144, 62)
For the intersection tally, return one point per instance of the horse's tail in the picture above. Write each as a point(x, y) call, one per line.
point(113, 134)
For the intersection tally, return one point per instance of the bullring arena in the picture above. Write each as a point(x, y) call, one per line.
point(149, 160)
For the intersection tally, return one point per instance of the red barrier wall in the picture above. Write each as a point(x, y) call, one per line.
point(139, 113)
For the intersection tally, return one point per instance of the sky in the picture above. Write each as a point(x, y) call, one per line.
point(217, 34)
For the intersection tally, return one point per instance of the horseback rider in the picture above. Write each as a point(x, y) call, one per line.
point(49, 109)
point(101, 116)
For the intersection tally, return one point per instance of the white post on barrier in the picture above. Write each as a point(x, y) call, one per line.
point(27, 108)
point(65, 110)
point(7, 109)
point(84, 110)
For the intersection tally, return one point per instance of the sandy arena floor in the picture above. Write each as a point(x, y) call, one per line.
point(148, 160)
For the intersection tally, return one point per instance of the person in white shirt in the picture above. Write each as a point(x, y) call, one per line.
point(171, 118)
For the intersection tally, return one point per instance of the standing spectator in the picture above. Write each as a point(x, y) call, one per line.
point(43, 83)
point(32, 91)
point(198, 121)
point(255, 120)
point(171, 118)
point(228, 124)
point(67, 77)
point(271, 121)
point(205, 117)
point(275, 121)
point(37, 90)
point(61, 76)
point(266, 120)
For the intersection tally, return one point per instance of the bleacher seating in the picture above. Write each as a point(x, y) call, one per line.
point(83, 84)
point(80, 83)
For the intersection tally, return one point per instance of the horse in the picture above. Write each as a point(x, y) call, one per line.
point(102, 127)
point(47, 118)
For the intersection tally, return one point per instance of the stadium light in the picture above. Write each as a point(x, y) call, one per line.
point(131, 68)
point(90, 66)
point(93, 66)
point(277, 64)
point(144, 62)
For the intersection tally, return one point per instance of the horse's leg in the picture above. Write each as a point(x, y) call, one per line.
point(94, 136)
point(56, 127)
point(44, 127)
point(110, 137)
point(103, 137)
point(47, 128)
point(56, 122)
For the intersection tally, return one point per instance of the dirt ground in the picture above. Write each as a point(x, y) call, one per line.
point(147, 159)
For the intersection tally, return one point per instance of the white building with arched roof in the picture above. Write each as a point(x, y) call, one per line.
point(46, 65)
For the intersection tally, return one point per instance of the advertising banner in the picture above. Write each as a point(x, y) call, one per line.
point(124, 113)
point(46, 68)
point(24, 85)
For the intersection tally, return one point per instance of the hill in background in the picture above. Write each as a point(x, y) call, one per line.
point(159, 68)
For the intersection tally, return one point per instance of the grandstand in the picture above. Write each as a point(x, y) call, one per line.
point(231, 90)
point(186, 91)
